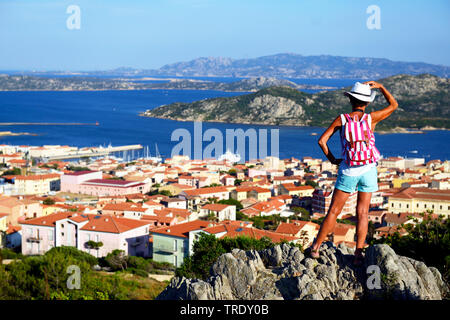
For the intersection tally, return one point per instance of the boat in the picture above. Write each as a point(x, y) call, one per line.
point(157, 158)
point(229, 156)
point(314, 133)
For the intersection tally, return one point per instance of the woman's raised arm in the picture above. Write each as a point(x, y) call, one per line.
point(382, 114)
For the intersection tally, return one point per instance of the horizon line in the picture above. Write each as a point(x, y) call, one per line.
point(213, 57)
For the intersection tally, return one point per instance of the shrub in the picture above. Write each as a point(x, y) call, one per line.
point(48, 201)
point(207, 249)
point(427, 241)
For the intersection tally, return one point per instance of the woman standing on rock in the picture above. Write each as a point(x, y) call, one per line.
point(357, 167)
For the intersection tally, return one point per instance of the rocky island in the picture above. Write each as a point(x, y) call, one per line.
point(423, 101)
point(77, 83)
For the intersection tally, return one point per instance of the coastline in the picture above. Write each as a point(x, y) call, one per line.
point(388, 131)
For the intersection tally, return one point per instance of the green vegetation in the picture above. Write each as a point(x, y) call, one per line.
point(12, 172)
point(118, 261)
point(208, 248)
point(48, 201)
point(423, 101)
point(6, 253)
point(232, 202)
point(53, 166)
point(311, 183)
point(94, 245)
point(427, 241)
point(76, 168)
point(46, 277)
point(160, 192)
point(302, 213)
point(212, 185)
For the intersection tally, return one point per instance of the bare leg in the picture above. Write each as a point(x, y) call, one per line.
point(362, 212)
point(337, 203)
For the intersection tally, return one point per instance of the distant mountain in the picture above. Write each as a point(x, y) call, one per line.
point(288, 65)
point(423, 101)
point(283, 65)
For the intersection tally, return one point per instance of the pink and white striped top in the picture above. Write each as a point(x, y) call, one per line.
point(358, 140)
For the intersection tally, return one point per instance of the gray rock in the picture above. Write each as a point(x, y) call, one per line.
point(403, 278)
point(283, 272)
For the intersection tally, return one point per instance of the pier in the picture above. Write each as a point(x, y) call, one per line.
point(92, 152)
point(47, 124)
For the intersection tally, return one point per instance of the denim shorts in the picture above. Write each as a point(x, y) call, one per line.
point(367, 182)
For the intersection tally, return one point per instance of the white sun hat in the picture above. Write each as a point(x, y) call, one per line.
point(362, 92)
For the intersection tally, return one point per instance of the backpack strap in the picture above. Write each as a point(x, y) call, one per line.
point(369, 121)
point(347, 116)
point(343, 120)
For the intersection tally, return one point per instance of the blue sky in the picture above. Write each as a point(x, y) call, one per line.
point(151, 33)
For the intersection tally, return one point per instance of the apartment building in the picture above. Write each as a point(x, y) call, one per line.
point(418, 200)
point(78, 230)
point(322, 200)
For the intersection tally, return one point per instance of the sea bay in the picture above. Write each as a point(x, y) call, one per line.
point(119, 123)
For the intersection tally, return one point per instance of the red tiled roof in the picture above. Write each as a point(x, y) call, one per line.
point(79, 173)
point(96, 223)
point(112, 224)
point(182, 230)
point(422, 193)
point(292, 187)
point(215, 206)
point(34, 177)
point(125, 206)
point(209, 190)
point(293, 227)
point(236, 231)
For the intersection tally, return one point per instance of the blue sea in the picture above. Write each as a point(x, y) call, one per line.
point(119, 124)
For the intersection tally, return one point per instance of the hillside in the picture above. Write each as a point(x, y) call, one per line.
point(79, 83)
point(423, 101)
point(290, 65)
point(282, 65)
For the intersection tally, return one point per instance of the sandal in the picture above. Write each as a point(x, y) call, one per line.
point(314, 254)
point(359, 258)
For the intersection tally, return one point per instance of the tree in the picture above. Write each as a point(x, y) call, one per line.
point(212, 185)
point(94, 245)
point(12, 172)
point(311, 183)
point(117, 259)
point(48, 201)
point(241, 216)
point(207, 249)
point(232, 202)
point(427, 241)
point(302, 212)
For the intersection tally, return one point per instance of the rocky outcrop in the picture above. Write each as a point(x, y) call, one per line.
point(420, 98)
point(283, 272)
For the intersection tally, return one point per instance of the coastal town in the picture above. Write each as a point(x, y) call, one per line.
point(156, 209)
